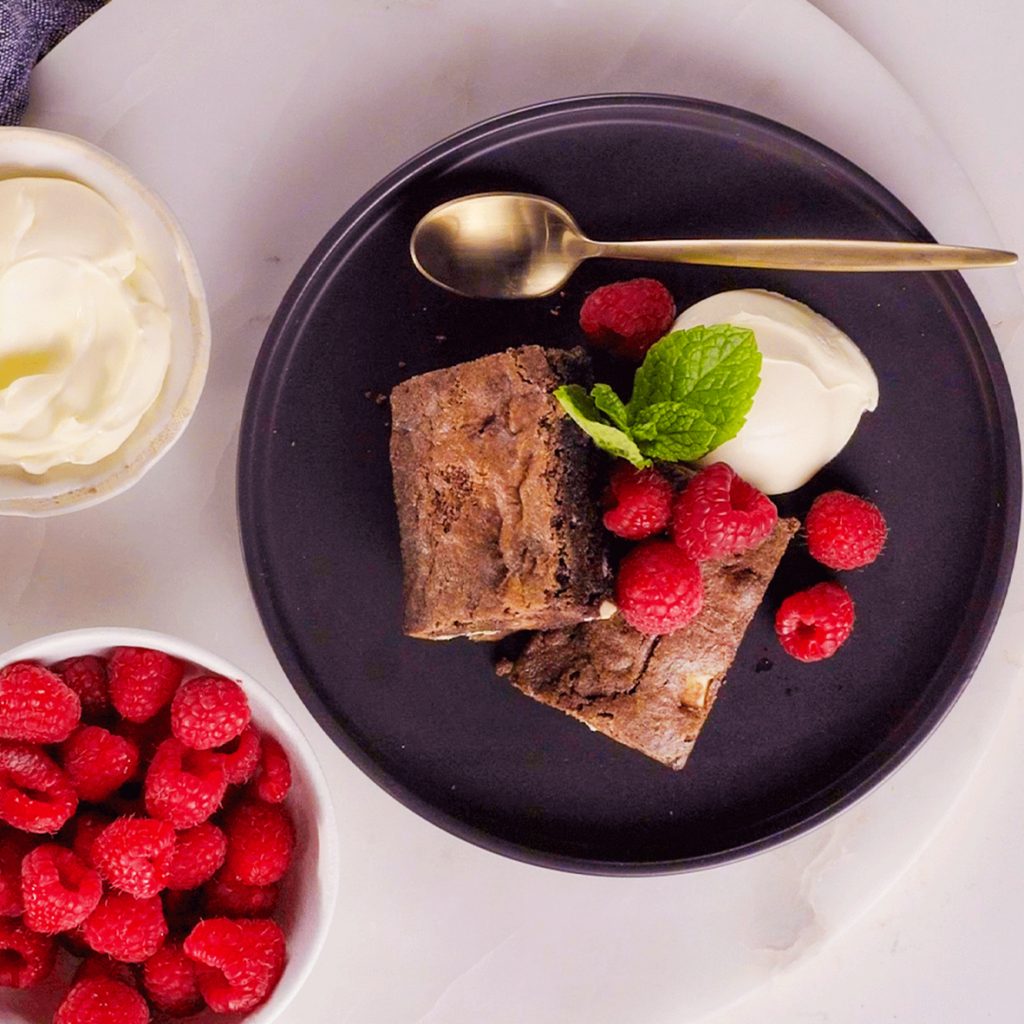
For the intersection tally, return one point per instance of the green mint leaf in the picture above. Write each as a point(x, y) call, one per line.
point(673, 432)
point(611, 405)
point(715, 370)
point(582, 410)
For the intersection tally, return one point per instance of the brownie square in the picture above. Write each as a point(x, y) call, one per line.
point(495, 489)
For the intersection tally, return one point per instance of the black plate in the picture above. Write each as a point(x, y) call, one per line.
point(786, 746)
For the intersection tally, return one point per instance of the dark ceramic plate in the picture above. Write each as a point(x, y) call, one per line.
point(787, 744)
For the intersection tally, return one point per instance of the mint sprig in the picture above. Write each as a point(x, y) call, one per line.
point(691, 394)
point(584, 411)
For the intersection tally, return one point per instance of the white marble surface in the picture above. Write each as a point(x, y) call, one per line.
point(260, 125)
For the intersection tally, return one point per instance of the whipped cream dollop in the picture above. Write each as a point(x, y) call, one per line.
point(85, 335)
point(815, 385)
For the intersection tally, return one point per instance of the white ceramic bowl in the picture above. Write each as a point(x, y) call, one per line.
point(33, 151)
point(310, 891)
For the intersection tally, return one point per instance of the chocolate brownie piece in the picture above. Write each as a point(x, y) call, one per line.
point(495, 490)
point(653, 693)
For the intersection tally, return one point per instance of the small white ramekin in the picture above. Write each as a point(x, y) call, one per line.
point(310, 892)
point(161, 242)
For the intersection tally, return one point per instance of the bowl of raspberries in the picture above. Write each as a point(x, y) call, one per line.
point(167, 842)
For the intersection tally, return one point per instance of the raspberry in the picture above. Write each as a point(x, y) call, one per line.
point(102, 1001)
point(274, 778)
point(135, 854)
point(659, 588)
point(59, 890)
point(35, 705)
point(169, 980)
point(238, 962)
point(94, 965)
point(208, 712)
point(97, 761)
point(87, 676)
point(85, 829)
point(126, 928)
point(844, 531)
point(13, 847)
point(26, 957)
point(142, 681)
point(628, 317)
point(814, 623)
point(184, 786)
point(224, 897)
point(639, 502)
point(721, 514)
point(198, 855)
point(260, 843)
point(35, 795)
point(241, 757)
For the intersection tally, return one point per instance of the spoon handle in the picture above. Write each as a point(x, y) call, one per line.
point(808, 254)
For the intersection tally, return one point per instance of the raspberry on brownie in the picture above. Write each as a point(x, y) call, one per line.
point(638, 502)
point(719, 514)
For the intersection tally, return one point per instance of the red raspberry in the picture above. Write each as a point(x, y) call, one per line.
point(35, 705)
point(628, 317)
point(224, 897)
point(97, 761)
point(87, 676)
point(126, 928)
point(169, 980)
point(844, 531)
point(198, 855)
point(182, 909)
point(59, 890)
point(274, 778)
point(142, 681)
point(639, 502)
point(208, 712)
point(721, 514)
point(94, 965)
point(814, 623)
point(241, 757)
point(102, 1001)
point(85, 829)
point(35, 795)
point(184, 786)
point(238, 962)
point(13, 847)
point(659, 588)
point(135, 855)
point(26, 957)
point(261, 839)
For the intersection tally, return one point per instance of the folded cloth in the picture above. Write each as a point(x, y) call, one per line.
point(28, 28)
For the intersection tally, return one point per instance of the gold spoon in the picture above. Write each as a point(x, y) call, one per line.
point(507, 245)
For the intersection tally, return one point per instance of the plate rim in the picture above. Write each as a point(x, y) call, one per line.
point(293, 309)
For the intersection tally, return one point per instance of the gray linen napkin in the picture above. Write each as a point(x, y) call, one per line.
point(28, 28)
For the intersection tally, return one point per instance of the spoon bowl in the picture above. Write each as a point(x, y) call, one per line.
point(510, 245)
point(499, 245)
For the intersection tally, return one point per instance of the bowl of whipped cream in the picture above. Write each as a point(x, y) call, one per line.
point(104, 327)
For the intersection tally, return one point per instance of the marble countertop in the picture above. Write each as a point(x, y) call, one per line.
point(260, 127)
